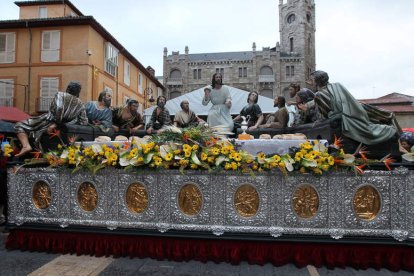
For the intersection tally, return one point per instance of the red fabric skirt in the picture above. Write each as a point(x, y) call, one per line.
point(335, 254)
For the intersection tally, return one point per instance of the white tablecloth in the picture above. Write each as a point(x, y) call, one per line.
point(270, 146)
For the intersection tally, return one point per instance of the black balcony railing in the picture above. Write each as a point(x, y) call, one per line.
point(43, 103)
point(6, 101)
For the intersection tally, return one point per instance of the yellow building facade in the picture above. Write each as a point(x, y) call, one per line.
point(53, 43)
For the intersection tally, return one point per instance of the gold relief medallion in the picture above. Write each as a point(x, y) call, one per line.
point(190, 199)
point(367, 203)
point(42, 195)
point(246, 200)
point(137, 198)
point(305, 201)
point(87, 196)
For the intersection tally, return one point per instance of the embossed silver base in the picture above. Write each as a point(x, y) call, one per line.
point(377, 204)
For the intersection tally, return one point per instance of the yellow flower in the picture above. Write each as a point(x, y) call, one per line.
point(177, 151)
point(215, 151)
point(224, 150)
point(168, 156)
point(261, 155)
point(204, 156)
point(237, 157)
point(183, 162)
point(234, 165)
point(187, 153)
point(276, 158)
point(298, 156)
point(331, 161)
point(193, 166)
point(187, 147)
point(211, 159)
point(227, 166)
point(195, 147)
point(302, 170)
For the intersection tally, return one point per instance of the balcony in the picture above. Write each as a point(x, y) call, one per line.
point(175, 81)
point(43, 104)
point(266, 78)
point(6, 101)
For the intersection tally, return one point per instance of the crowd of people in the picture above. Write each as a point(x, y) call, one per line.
point(360, 122)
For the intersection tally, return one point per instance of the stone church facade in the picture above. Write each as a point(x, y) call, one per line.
point(269, 71)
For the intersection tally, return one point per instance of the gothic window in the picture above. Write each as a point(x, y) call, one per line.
point(266, 70)
point(242, 72)
point(175, 94)
point(291, 44)
point(291, 18)
point(175, 74)
point(290, 71)
point(127, 75)
point(197, 74)
point(308, 17)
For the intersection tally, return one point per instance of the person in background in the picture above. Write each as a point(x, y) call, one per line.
point(66, 107)
point(186, 117)
point(160, 117)
point(127, 118)
point(219, 95)
point(251, 111)
point(99, 113)
point(280, 118)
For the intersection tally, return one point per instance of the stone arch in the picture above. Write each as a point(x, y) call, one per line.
point(175, 74)
point(266, 70)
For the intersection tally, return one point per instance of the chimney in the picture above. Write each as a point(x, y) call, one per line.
point(151, 70)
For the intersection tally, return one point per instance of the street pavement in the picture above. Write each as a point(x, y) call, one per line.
point(16, 262)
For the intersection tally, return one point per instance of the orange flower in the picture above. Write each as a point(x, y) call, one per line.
point(36, 154)
point(127, 144)
point(185, 136)
point(55, 133)
point(337, 142)
point(72, 139)
point(359, 168)
point(387, 161)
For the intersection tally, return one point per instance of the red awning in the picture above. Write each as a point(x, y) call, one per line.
point(12, 114)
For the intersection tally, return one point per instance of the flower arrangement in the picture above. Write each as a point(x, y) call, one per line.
point(196, 150)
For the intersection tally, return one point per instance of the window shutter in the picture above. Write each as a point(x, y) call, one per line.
point(10, 47)
point(126, 73)
point(50, 46)
point(48, 89)
point(7, 47)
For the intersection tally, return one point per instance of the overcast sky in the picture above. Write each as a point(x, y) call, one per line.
point(367, 45)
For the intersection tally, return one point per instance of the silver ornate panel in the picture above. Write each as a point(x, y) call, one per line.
point(218, 209)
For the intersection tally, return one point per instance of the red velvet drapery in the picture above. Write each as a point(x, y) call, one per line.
point(278, 253)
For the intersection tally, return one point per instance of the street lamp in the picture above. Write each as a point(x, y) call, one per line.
point(148, 97)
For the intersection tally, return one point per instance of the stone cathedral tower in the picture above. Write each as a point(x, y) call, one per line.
point(297, 33)
point(268, 71)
